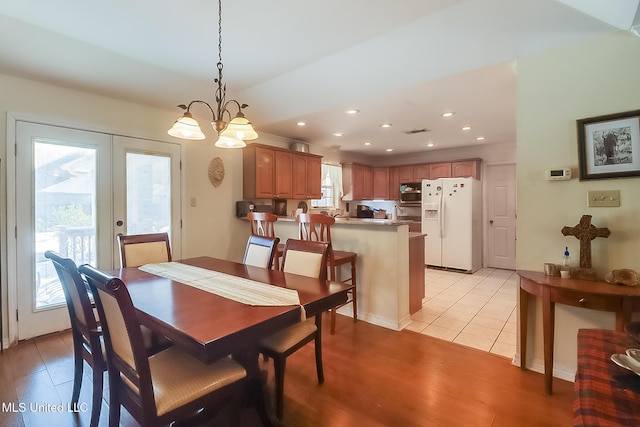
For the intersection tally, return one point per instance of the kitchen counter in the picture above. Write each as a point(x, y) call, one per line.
point(358, 221)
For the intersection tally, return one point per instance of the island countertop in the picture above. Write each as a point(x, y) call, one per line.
point(356, 221)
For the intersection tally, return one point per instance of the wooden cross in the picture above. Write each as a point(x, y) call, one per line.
point(585, 232)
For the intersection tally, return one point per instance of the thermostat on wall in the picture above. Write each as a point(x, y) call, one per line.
point(558, 174)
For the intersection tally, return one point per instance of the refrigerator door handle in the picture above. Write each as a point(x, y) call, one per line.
point(442, 216)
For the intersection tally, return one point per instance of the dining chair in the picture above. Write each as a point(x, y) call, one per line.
point(305, 258)
point(169, 386)
point(260, 251)
point(85, 330)
point(317, 227)
point(140, 249)
point(262, 225)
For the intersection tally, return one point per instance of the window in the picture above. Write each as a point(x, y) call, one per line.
point(331, 187)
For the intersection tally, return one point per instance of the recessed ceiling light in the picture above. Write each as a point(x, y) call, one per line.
point(480, 138)
point(430, 144)
point(466, 128)
point(338, 134)
point(389, 149)
point(352, 111)
point(301, 124)
point(385, 125)
point(448, 114)
point(367, 143)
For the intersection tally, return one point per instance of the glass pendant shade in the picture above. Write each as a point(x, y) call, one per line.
point(225, 141)
point(186, 127)
point(240, 128)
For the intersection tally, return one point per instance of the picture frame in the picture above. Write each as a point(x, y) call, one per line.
point(609, 146)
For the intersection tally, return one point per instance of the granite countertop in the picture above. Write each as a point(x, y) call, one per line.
point(356, 221)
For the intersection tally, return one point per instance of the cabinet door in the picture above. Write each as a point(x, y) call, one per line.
point(358, 182)
point(299, 184)
point(381, 183)
point(265, 177)
point(314, 178)
point(405, 174)
point(420, 172)
point(466, 169)
point(439, 170)
point(283, 174)
point(394, 184)
point(367, 183)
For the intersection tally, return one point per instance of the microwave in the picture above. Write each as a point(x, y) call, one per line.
point(411, 194)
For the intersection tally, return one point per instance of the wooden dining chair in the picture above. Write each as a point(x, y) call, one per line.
point(305, 258)
point(169, 386)
point(316, 227)
point(262, 225)
point(260, 251)
point(140, 249)
point(85, 330)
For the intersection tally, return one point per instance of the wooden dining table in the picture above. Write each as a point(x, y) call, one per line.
point(210, 327)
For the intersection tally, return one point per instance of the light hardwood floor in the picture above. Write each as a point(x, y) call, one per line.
point(373, 377)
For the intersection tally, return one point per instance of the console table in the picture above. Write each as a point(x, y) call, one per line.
point(604, 393)
point(623, 300)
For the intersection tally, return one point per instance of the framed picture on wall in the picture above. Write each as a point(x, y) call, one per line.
point(609, 146)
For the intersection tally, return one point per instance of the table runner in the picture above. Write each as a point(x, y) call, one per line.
point(235, 288)
point(605, 394)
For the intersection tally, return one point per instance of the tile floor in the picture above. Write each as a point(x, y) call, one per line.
point(476, 310)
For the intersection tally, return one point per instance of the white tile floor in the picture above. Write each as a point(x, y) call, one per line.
point(476, 310)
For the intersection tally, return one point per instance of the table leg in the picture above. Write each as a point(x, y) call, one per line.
point(257, 386)
point(548, 326)
point(524, 316)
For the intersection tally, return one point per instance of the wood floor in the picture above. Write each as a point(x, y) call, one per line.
point(373, 377)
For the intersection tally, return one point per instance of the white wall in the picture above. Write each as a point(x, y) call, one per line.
point(554, 90)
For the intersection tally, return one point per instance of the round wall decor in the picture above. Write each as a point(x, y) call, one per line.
point(216, 171)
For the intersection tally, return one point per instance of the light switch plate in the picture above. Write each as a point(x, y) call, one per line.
point(603, 198)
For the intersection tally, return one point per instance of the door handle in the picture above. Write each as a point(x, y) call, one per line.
point(119, 223)
point(491, 221)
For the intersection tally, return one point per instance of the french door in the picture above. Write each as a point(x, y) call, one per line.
point(75, 191)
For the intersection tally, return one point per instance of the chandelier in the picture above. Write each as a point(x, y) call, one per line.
point(231, 134)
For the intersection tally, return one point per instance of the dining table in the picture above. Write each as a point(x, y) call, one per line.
point(210, 326)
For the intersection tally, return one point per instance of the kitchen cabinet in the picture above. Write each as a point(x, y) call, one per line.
point(439, 170)
point(381, 183)
point(271, 172)
point(307, 177)
point(405, 174)
point(283, 175)
point(394, 184)
point(421, 172)
point(466, 169)
point(357, 181)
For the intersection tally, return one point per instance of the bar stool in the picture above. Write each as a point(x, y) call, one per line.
point(318, 227)
point(262, 225)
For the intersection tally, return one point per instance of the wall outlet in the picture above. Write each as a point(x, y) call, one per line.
point(194, 202)
point(604, 198)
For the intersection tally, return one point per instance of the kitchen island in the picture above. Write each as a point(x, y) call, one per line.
point(382, 265)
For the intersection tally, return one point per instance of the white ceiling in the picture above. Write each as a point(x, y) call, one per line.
point(403, 62)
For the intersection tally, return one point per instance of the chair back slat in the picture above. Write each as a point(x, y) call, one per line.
point(315, 227)
point(262, 223)
point(140, 249)
point(306, 258)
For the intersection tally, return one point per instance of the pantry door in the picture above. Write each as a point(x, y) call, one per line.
point(72, 189)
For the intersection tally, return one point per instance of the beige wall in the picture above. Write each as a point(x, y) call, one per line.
point(554, 90)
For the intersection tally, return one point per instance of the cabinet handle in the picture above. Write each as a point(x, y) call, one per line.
point(582, 301)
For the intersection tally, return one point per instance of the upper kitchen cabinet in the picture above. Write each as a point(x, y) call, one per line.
point(381, 183)
point(420, 172)
point(405, 174)
point(258, 168)
point(283, 175)
point(466, 168)
point(307, 177)
point(439, 170)
point(271, 172)
point(394, 184)
point(357, 182)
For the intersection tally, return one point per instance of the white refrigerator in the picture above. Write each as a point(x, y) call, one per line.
point(452, 222)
